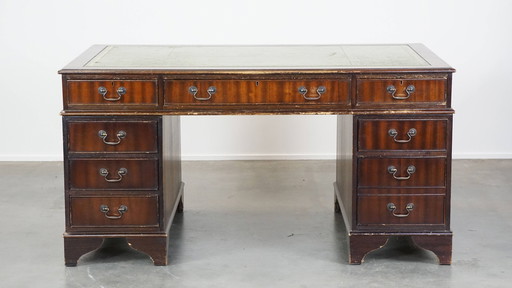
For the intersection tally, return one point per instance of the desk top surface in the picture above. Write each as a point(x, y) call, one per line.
point(133, 58)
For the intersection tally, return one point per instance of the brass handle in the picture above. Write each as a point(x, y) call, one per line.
point(121, 172)
point(103, 135)
point(392, 207)
point(193, 90)
point(320, 90)
point(121, 210)
point(410, 170)
point(104, 91)
point(391, 89)
point(411, 133)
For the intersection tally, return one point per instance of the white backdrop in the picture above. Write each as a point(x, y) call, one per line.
point(37, 38)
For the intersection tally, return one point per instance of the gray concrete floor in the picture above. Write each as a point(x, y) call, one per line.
point(256, 224)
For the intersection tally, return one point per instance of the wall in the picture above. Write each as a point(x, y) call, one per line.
point(39, 37)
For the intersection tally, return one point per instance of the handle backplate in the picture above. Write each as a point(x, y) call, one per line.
point(120, 211)
point(121, 172)
point(392, 207)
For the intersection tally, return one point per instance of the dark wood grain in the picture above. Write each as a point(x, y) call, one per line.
point(372, 90)
point(176, 92)
point(142, 174)
point(373, 134)
point(141, 136)
point(428, 209)
point(142, 211)
point(83, 94)
point(156, 96)
point(430, 172)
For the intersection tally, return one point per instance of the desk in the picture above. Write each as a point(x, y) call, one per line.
point(122, 135)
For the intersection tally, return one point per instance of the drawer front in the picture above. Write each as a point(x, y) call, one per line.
point(401, 91)
point(113, 174)
point(402, 172)
point(113, 136)
point(107, 94)
point(114, 211)
point(402, 134)
point(384, 210)
point(201, 92)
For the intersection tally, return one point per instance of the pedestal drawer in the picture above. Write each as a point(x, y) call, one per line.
point(111, 94)
point(256, 91)
point(417, 209)
point(402, 172)
point(114, 211)
point(113, 174)
point(403, 134)
point(112, 136)
point(396, 90)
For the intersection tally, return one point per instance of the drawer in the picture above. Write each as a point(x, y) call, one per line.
point(402, 172)
point(385, 210)
point(113, 174)
point(401, 90)
point(402, 134)
point(109, 94)
point(201, 92)
point(112, 136)
point(114, 211)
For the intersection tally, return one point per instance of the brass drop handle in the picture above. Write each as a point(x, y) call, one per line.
point(103, 135)
point(392, 207)
point(104, 91)
point(121, 210)
point(121, 172)
point(211, 90)
point(320, 90)
point(410, 170)
point(411, 133)
point(391, 89)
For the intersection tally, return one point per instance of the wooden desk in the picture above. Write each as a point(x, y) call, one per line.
point(122, 135)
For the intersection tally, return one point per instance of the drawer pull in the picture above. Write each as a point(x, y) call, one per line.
point(121, 172)
point(391, 89)
point(392, 207)
point(411, 133)
point(193, 90)
point(103, 135)
point(410, 170)
point(121, 210)
point(320, 90)
point(120, 92)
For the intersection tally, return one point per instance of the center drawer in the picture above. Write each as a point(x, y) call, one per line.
point(200, 92)
point(113, 174)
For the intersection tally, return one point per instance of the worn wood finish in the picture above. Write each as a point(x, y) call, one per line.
point(362, 244)
point(176, 92)
point(372, 91)
point(83, 94)
point(439, 244)
point(427, 189)
point(145, 190)
point(121, 136)
point(360, 82)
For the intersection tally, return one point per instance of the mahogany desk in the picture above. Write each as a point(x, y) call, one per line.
point(122, 135)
